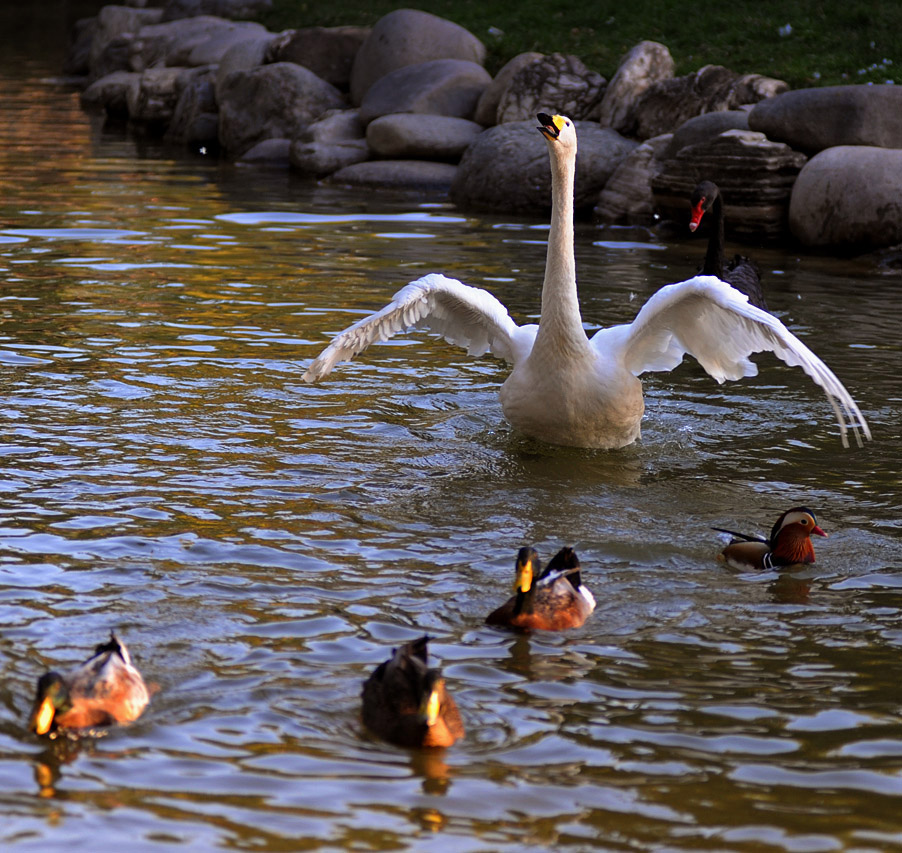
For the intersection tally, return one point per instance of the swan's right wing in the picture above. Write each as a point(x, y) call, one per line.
point(465, 316)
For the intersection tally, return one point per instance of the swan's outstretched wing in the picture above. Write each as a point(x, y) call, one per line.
point(713, 322)
point(465, 316)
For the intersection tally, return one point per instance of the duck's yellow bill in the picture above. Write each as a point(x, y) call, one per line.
point(432, 708)
point(43, 717)
point(524, 577)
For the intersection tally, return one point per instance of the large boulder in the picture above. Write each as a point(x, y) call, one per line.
point(665, 105)
point(195, 120)
point(814, 119)
point(553, 84)
point(330, 143)
point(755, 176)
point(245, 55)
point(112, 35)
point(448, 87)
point(705, 127)
point(487, 108)
point(277, 100)
point(153, 95)
point(327, 51)
point(850, 195)
point(406, 135)
point(110, 93)
point(645, 64)
point(176, 9)
point(627, 197)
point(507, 167)
point(409, 37)
point(398, 174)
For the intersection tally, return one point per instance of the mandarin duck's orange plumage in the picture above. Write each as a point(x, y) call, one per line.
point(407, 704)
point(104, 690)
point(789, 543)
point(550, 600)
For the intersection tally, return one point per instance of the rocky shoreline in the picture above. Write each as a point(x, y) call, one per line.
point(408, 104)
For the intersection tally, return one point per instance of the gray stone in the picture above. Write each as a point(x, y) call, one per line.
point(243, 56)
point(177, 9)
point(665, 105)
point(706, 126)
point(269, 152)
point(153, 95)
point(850, 195)
point(110, 93)
point(814, 119)
point(406, 135)
point(114, 23)
point(398, 174)
point(409, 37)
point(645, 64)
point(328, 52)
point(78, 57)
point(755, 176)
point(449, 87)
point(627, 197)
point(487, 108)
point(335, 126)
point(195, 120)
point(506, 168)
point(553, 84)
point(317, 159)
point(211, 50)
point(276, 100)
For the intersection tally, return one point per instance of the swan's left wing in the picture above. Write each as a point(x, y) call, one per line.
point(715, 324)
point(466, 316)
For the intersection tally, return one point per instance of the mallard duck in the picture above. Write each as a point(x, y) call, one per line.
point(104, 690)
point(563, 387)
point(789, 543)
point(742, 272)
point(407, 704)
point(549, 600)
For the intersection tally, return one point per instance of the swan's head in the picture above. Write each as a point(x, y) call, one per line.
point(559, 132)
point(702, 198)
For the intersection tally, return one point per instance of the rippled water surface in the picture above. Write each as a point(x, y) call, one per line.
point(261, 544)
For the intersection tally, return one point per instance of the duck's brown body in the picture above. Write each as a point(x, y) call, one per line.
point(104, 690)
point(407, 704)
point(552, 601)
point(789, 543)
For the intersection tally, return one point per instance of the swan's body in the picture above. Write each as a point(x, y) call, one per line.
point(565, 388)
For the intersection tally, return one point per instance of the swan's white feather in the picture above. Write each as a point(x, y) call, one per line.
point(465, 316)
point(713, 322)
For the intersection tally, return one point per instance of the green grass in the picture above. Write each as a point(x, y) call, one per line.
point(830, 43)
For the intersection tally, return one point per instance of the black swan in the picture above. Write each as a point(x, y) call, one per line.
point(741, 272)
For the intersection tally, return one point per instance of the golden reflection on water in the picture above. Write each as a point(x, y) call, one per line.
point(261, 544)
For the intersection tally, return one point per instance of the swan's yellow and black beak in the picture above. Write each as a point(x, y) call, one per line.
point(550, 126)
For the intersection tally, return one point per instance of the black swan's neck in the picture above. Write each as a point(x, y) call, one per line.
point(714, 257)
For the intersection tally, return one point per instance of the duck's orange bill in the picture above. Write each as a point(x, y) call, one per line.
point(43, 717)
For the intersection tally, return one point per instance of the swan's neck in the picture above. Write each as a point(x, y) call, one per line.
point(714, 257)
point(560, 321)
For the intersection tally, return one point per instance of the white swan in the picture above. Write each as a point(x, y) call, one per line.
point(565, 388)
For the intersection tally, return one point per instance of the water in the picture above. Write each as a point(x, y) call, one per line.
point(261, 544)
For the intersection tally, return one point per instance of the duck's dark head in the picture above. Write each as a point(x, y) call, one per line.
point(51, 698)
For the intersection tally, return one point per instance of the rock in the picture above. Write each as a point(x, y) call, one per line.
point(195, 120)
point(647, 63)
point(318, 159)
point(210, 51)
point(448, 87)
point(78, 57)
point(276, 100)
point(506, 168)
point(327, 51)
point(487, 108)
point(177, 9)
point(269, 152)
point(119, 23)
point(409, 37)
point(152, 96)
point(814, 119)
point(665, 105)
point(704, 127)
point(330, 143)
point(398, 174)
point(755, 176)
point(627, 197)
point(243, 56)
point(406, 135)
point(110, 93)
point(172, 42)
point(553, 84)
point(849, 195)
